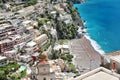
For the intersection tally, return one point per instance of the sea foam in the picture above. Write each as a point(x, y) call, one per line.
point(95, 45)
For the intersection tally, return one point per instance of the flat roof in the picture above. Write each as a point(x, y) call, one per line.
point(31, 44)
point(3, 26)
point(25, 56)
point(41, 37)
point(5, 41)
point(99, 74)
point(115, 58)
point(2, 57)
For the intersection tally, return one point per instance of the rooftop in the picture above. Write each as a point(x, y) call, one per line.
point(31, 44)
point(43, 62)
point(41, 37)
point(99, 74)
point(116, 58)
point(5, 41)
point(2, 57)
point(25, 56)
point(3, 26)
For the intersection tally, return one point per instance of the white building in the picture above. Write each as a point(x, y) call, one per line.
point(47, 70)
point(41, 40)
point(113, 60)
point(98, 74)
point(64, 48)
point(3, 61)
point(31, 47)
point(25, 58)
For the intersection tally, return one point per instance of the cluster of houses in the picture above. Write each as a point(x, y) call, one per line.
point(20, 40)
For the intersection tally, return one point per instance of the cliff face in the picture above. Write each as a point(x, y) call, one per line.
point(77, 1)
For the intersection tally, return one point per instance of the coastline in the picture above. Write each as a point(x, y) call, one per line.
point(92, 42)
point(91, 48)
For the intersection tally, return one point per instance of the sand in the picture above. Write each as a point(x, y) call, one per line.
point(85, 56)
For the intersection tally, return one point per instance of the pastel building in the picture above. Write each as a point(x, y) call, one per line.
point(41, 40)
point(112, 61)
point(47, 70)
point(7, 30)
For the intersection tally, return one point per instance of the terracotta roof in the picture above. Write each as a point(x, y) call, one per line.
point(43, 62)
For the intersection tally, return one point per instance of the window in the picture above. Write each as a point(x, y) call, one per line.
point(44, 78)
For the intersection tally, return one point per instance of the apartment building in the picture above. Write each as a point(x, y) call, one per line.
point(41, 40)
point(6, 45)
point(3, 61)
point(7, 30)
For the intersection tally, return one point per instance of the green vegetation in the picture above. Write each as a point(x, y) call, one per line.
point(66, 31)
point(9, 72)
point(23, 73)
point(1, 5)
point(66, 57)
point(72, 67)
point(30, 2)
point(6, 71)
point(62, 41)
point(42, 21)
point(55, 54)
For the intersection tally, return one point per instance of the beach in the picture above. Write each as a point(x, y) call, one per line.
point(98, 15)
point(85, 57)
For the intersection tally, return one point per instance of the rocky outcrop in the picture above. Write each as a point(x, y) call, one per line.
point(77, 1)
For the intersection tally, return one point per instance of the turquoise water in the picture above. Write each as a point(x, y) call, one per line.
point(22, 68)
point(103, 22)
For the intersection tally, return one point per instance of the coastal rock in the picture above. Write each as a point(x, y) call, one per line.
point(77, 1)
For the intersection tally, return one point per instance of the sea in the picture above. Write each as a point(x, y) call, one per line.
point(102, 19)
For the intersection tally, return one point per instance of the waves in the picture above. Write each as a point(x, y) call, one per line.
point(95, 45)
point(103, 24)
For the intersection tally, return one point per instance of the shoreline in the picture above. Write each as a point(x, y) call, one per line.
point(91, 52)
point(92, 42)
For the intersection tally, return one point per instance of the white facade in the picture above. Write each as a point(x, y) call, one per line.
point(47, 71)
point(3, 61)
point(98, 74)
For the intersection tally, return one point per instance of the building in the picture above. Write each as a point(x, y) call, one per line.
point(31, 47)
point(3, 61)
point(25, 58)
point(47, 70)
point(41, 40)
point(64, 48)
point(6, 45)
point(6, 15)
point(25, 11)
point(6, 6)
point(6, 30)
point(98, 74)
point(8, 36)
point(112, 61)
point(11, 54)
